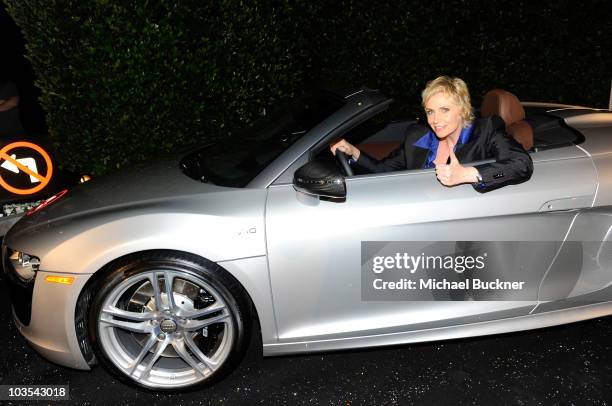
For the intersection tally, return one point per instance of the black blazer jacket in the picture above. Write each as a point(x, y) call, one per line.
point(488, 141)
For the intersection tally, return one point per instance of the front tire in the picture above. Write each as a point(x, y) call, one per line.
point(149, 338)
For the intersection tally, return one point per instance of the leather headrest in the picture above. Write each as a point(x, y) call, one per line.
point(504, 104)
point(522, 132)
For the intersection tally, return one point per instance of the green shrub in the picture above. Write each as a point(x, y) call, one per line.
point(542, 51)
point(127, 81)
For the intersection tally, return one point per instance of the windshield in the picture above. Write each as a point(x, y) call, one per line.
point(236, 160)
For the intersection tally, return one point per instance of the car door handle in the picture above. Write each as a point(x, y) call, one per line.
point(568, 203)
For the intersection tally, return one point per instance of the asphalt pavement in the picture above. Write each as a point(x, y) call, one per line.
point(563, 365)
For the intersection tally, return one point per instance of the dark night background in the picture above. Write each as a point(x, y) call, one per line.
point(16, 68)
point(123, 82)
point(131, 80)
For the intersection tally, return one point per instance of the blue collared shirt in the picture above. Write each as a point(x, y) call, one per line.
point(430, 141)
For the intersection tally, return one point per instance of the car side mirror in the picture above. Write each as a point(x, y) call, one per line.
point(320, 178)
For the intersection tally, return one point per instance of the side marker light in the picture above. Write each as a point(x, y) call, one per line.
point(63, 280)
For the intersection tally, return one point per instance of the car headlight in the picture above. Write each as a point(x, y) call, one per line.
point(24, 265)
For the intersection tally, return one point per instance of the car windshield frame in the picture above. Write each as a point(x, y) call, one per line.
point(235, 160)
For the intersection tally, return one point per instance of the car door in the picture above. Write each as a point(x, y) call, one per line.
point(314, 245)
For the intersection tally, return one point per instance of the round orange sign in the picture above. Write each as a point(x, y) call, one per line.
point(44, 180)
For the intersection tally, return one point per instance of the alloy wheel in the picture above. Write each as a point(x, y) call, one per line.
point(166, 328)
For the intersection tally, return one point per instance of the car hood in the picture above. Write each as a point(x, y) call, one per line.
point(147, 207)
point(137, 186)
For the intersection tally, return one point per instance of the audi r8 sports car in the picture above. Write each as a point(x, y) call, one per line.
point(162, 274)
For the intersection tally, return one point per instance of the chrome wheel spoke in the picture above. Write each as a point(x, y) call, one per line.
point(145, 350)
point(192, 325)
point(169, 279)
point(161, 346)
point(179, 347)
point(196, 314)
point(141, 327)
point(124, 314)
point(156, 292)
point(210, 364)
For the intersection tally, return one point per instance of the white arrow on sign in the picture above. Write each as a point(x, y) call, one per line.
point(27, 162)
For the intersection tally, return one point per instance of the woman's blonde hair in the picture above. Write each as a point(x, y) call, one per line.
point(454, 87)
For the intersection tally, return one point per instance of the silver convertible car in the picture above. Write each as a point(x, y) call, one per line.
point(163, 273)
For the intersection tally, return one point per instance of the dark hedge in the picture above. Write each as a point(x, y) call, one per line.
point(557, 52)
point(125, 81)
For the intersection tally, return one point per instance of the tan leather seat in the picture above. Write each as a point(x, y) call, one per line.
point(506, 105)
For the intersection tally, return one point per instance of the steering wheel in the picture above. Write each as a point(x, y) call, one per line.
point(343, 159)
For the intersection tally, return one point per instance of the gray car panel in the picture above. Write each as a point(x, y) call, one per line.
point(254, 277)
point(324, 252)
point(51, 330)
point(603, 163)
point(589, 245)
point(504, 325)
point(219, 224)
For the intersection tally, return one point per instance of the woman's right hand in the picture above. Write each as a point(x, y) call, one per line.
point(345, 147)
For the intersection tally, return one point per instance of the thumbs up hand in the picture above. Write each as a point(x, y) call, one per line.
point(455, 173)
